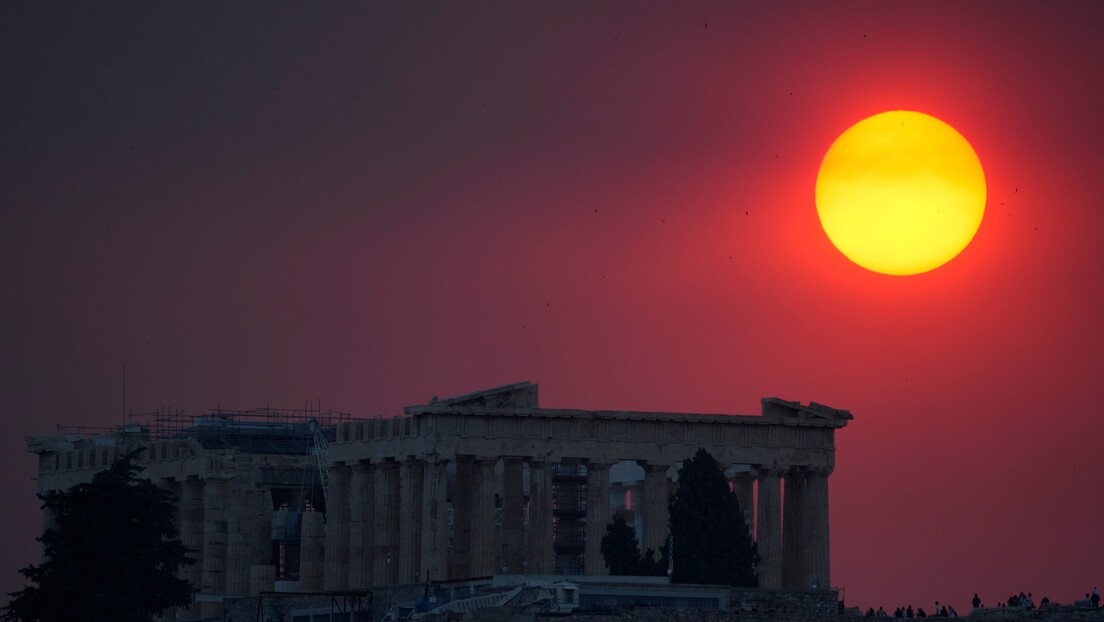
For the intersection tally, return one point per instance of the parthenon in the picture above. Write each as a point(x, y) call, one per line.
point(471, 486)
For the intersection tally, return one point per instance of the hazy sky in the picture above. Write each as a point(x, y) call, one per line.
point(374, 205)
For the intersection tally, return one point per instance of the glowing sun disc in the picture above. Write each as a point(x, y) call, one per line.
point(900, 193)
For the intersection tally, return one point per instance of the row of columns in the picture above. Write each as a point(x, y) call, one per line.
point(368, 543)
point(229, 531)
point(386, 523)
point(791, 533)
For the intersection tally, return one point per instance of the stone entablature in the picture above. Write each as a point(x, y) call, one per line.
point(773, 441)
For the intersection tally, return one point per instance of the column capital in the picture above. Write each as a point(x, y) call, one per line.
point(763, 472)
point(386, 463)
point(339, 472)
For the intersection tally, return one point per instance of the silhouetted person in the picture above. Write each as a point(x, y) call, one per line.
point(976, 601)
point(881, 613)
point(1095, 599)
point(1044, 602)
point(898, 613)
point(920, 613)
point(943, 612)
point(908, 612)
point(953, 613)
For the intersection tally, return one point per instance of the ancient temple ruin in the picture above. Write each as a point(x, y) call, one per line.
point(472, 486)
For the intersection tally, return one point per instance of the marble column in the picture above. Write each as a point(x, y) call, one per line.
point(743, 485)
point(793, 531)
point(214, 542)
point(434, 521)
point(411, 483)
point(656, 492)
point(483, 519)
point(512, 544)
point(237, 570)
point(337, 529)
point(597, 517)
point(257, 530)
point(262, 578)
point(385, 511)
point(361, 525)
point(192, 528)
point(768, 530)
point(460, 561)
point(539, 546)
point(312, 542)
point(815, 523)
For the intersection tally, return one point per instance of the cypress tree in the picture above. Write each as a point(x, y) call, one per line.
point(712, 543)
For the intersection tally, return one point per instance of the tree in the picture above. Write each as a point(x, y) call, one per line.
point(622, 555)
point(113, 554)
point(619, 548)
point(652, 567)
point(712, 543)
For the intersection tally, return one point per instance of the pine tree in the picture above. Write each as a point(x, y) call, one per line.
point(622, 555)
point(652, 567)
point(712, 543)
point(619, 548)
point(113, 554)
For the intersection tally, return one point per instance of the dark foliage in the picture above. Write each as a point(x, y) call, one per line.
point(622, 555)
point(112, 554)
point(712, 543)
point(619, 548)
point(652, 567)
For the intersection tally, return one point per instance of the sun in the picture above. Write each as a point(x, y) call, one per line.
point(900, 193)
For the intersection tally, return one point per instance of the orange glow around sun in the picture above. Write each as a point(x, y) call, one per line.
point(900, 193)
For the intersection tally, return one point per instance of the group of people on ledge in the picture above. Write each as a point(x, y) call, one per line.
point(940, 611)
point(1017, 601)
point(1027, 601)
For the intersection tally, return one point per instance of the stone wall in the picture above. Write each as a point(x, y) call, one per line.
point(812, 604)
point(279, 607)
point(818, 613)
point(648, 614)
point(1050, 613)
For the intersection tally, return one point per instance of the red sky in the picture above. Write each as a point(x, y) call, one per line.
point(269, 206)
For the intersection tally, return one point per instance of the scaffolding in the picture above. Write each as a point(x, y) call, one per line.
point(569, 508)
point(261, 430)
